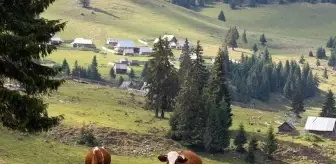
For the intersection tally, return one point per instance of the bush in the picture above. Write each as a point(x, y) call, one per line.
point(311, 137)
point(86, 137)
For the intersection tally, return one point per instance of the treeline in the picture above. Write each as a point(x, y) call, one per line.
point(200, 99)
point(234, 4)
point(91, 72)
point(257, 77)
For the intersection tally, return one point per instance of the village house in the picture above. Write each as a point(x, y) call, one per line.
point(125, 47)
point(123, 61)
point(134, 63)
point(171, 39)
point(286, 127)
point(321, 125)
point(55, 40)
point(120, 68)
point(112, 41)
point(180, 44)
point(83, 43)
point(143, 51)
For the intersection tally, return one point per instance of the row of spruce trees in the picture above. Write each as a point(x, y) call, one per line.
point(199, 98)
point(91, 72)
point(257, 77)
point(235, 4)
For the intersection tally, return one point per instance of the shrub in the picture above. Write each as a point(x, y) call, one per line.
point(311, 137)
point(86, 137)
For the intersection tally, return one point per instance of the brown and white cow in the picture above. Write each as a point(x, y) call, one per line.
point(98, 156)
point(183, 157)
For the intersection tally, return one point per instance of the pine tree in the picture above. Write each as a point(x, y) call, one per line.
point(131, 75)
point(221, 16)
point(302, 60)
point(76, 70)
point(267, 55)
point(332, 58)
point(240, 139)
point(65, 67)
point(330, 42)
point(202, 74)
point(250, 158)
point(189, 118)
point(325, 73)
point(311, 54)
point(254, 143)
point(297, 104)
point(262, 39)
point(318, 62)
point(231, 37)
point(328, 108)
point(23, 42)
point(271, 143)
point(162, 78)
point(144, 72)
point(120, 81)
point(93, 70)
point(255, 48)
point(252, 3)
point(186, 62)
point(218, 82)
point(244, 38)
point(112, 73)
point(85, 3)
point(320, 53)
point(217, 137)
point(219, 104)
point(233, 4)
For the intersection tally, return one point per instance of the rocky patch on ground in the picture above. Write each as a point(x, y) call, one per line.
point(119, 142)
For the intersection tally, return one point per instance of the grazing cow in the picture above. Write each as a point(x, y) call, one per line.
point(183, 157)
point(98, 156)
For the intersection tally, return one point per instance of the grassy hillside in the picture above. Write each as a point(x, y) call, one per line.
point(291, 29)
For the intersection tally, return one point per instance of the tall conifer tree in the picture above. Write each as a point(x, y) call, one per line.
point(162, 78)
point(23, 40)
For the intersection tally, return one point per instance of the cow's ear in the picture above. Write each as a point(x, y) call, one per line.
point(162, 158)
point(182, 159)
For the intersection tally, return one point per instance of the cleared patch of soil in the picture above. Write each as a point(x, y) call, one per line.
point(118, 142)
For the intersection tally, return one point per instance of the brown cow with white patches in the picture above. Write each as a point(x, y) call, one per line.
point(183, 157)
point(98, 156)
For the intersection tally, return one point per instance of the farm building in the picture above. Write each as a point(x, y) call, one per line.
point(112, 41)
point(125, 47)
point(171, 39)
point(83, 43)
point(321, 125)
point(145, 51)
point(123, 61)
point(286, 127)
point(120, 68)
point(134, 63)
point(55, 40)
point(180, 44)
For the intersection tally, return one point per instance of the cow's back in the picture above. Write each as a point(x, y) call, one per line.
point(101, 153)
point(192, 157)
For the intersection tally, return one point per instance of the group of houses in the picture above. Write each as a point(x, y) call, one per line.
point(318, 125)
point(123, 47)
point(121, 66)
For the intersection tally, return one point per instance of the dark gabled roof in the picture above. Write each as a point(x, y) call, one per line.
point(289, 124)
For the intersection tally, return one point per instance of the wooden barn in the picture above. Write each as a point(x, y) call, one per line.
point(286, 127)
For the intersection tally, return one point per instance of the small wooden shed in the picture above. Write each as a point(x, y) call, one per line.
point(286, 127)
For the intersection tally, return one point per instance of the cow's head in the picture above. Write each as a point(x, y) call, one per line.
point(173, 157)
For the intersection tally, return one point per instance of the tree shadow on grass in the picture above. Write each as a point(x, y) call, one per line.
point(103, 12)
